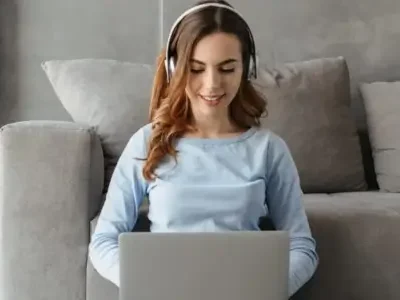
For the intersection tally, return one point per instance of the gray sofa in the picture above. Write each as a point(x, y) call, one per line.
point(52, 186)
point(54, 173)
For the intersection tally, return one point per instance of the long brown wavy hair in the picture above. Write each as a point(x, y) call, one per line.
point(170, 111)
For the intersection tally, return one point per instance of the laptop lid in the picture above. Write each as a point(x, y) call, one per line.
point(239, 265)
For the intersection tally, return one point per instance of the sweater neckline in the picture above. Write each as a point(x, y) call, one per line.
point(218, 141)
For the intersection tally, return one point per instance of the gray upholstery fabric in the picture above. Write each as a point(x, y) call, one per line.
point(111, 96)
point(45, 203)
point(309, 106)
point(356, 241)
point(358, 244)
point(382, 106)
point(49, 186)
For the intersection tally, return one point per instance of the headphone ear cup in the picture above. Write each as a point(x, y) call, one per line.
point(172, 65)
point(256, 65)
point(253, 67)
point(167, 68)
point(250, 68)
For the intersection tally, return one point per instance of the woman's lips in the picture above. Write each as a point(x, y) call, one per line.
point(212, 99)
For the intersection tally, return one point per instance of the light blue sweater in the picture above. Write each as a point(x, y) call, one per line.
point(217, 185)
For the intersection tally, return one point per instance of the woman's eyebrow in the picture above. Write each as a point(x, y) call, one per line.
point(224, 62)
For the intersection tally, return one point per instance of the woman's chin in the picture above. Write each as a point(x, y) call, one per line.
point(213, 112)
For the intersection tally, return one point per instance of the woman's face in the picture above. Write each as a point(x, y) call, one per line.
point(215, 75)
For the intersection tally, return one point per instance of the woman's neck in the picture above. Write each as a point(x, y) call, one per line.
point(215, 129)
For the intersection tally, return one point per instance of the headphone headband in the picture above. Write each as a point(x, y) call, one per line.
point(253, 65)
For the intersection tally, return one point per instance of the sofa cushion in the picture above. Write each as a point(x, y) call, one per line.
point(309, 107)
point(47, 192)
point(382, 106)
point(111, 96)
point(358, 245)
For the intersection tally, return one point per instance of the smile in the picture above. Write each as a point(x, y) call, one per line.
point(212, 98)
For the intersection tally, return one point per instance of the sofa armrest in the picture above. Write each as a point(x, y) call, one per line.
point(51, 178)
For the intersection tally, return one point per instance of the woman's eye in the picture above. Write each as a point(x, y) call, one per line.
point(228, 70)
point(196, 71)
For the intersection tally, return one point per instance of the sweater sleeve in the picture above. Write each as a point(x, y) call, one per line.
point(284, 201)
point(119, 213)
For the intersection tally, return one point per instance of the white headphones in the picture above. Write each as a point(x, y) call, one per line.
point(170, 60)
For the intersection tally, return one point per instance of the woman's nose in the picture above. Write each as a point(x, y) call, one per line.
point(212, 79)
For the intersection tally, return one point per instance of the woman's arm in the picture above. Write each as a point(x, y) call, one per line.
point(120, 211)
point(285, 205)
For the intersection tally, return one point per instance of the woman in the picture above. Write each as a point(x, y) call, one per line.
point(204, 162)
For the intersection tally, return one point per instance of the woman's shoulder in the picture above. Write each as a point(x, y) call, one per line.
point(274, 145)
point(271, 138)
point(143, 133)
point(138, 141)
point(278, 152)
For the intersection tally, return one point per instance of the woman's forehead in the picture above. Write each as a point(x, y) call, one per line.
point(216, 48)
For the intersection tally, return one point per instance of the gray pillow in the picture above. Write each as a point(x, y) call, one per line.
point(111, 96)
point(309, 107)
point(382, 107)
point(308, 103)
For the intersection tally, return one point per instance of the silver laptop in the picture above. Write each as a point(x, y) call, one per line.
point(239, 265)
